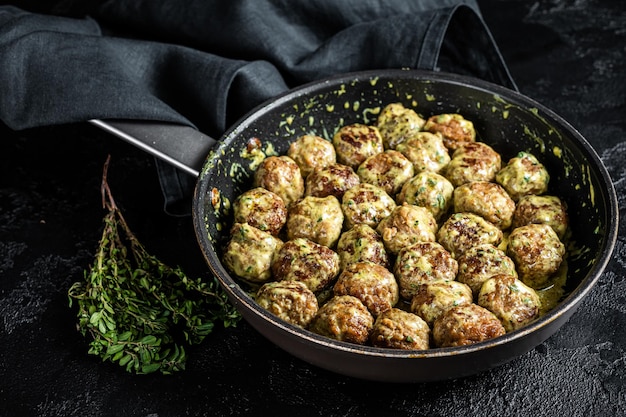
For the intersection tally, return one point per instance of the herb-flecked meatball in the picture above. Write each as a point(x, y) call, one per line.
point(344, 318)
point(306, 261)
point(262, 209)
point(366, 203)
point(455, 129)
point(250, 251)
point(426, 151)
point(430, 190)
point(319, 219)
point(422, 263)
point(461, 231)
point(396, 123)
point(513, 302)
point(389, 170)
point(432, 299)
point(371, 283)
point(356, 142)
point(407, 224)
point(466, 325)
point(361, 243)
point(311, 152)
point(291, 301)
point(399, 329)
point(475, 161)
point(537, 253)
point(481, 262)
point(546, 209)
point(334, 180)
point(523, 175)
point(487, 199)
point(280, 175)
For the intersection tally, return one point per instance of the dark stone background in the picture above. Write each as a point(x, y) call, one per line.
point(569, 55)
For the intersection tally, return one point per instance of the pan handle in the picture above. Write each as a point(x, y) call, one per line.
point(182, 146)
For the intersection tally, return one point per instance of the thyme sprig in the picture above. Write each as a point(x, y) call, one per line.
point(138, 311)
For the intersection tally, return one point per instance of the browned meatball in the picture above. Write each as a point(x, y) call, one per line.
point(306, 261)
point(319, 219)
point(479, 263)
point(291, 301)
point(432, 299)
point(344, 318)
point(487, 199)
point(426, 151)
point(466, 325)
point(407, 224)
point(250, 251)
point(333, 180)
point(389, 170)
point(361, 244)
point(455, 129)
point(312, 152)
point(474, 161)
point(262, 209)
point(396, 122)
point(356, 142)
point(366, 203)
point(461, 231)
point(514, 303)
point(422, 263)
point(371, 283)
point(545, 209)
point(523, 175)
point(399, 329)
point(430, 190)
point(280, 175)
point(537, 253)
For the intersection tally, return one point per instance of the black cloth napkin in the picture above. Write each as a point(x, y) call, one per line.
point(205, 63)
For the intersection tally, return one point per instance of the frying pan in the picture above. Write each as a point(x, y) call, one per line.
point(504, 119)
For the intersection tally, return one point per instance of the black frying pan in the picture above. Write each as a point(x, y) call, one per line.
point(504, 119)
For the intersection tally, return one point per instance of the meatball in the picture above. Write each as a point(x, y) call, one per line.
point(426, 151)
point(487, 199)
point(357, 142)
point(303, 260)
point(361, 244)
point(366, 203)
point(430, 190)
point(545, 209)
point(432, 299)
point(311, 152)
point(280, 175)
point(262, 209)
point(479, 263)
point(455, 129)
point(371, 283)
point(396, 122)
point(250, 251)
point(319, 219)
point(334, 180)
point(474, 161)
point(422, 263)
point(537, 253)
point(344, 318)
point(291, 301)
point(399, 329)
point(461, 231)
point(407, 224)
point(513, 302)
point(523, 175)
point(466, 325)
point(389, 170)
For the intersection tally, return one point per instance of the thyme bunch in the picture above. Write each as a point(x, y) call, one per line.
point(139, 312)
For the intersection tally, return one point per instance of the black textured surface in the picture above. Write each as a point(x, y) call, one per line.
point(569, 55)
